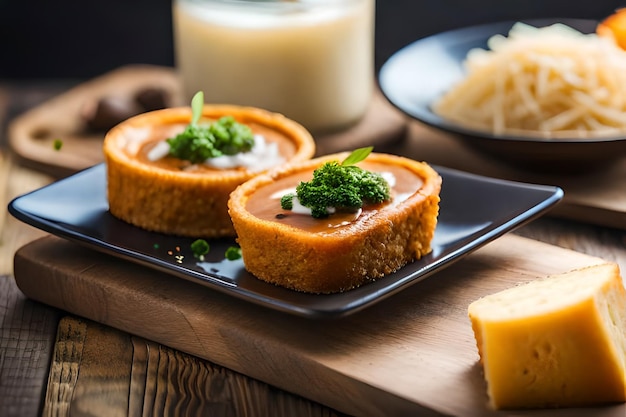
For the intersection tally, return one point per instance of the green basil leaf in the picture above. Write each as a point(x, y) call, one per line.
point(357, 156)
point(197, 103)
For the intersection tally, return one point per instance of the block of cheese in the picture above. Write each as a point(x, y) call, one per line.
point(558, 341)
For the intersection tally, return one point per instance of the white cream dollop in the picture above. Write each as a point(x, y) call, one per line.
point(262, 156)
point(160, 150)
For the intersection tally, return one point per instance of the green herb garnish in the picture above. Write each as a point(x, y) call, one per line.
point(200, 247)
point(357, 156)
point(197, 143)
point(343, 186)
point(233, 253)
point(57, 144)
point(197, 103)
point(286, 201)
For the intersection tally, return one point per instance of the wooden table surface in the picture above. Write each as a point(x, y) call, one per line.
point(32, 363)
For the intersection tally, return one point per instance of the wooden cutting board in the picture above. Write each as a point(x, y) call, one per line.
point(411, 353)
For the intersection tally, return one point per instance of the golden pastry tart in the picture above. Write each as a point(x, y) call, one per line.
point(174, 196)
point(344, 250)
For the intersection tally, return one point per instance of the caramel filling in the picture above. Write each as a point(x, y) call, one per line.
point(265, 202)
point(140, 141)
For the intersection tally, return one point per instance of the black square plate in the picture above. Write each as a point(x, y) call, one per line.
point(474, 210)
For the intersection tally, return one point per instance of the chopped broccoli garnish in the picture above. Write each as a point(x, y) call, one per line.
point(200, 247)
point(197, 143)
point(233, 253)
point(286, 201)
point(343, 186)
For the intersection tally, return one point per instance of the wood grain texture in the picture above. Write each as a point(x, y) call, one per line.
point(64, 368)
point(15, 180)
point(27, 331)
point(412, 353)
point(27, 328)
point(31, 134)
point(606, 243)
point(97, 370)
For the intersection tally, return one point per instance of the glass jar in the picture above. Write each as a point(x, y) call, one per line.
point(311, 60)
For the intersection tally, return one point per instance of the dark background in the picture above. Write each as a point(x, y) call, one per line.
point(83, 39)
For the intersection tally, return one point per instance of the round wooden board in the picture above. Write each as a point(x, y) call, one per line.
point(32, 135)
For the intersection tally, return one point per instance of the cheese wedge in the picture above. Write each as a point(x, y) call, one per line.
point(554, 342)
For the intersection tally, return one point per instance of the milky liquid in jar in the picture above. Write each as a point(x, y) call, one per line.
point(311, 60)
